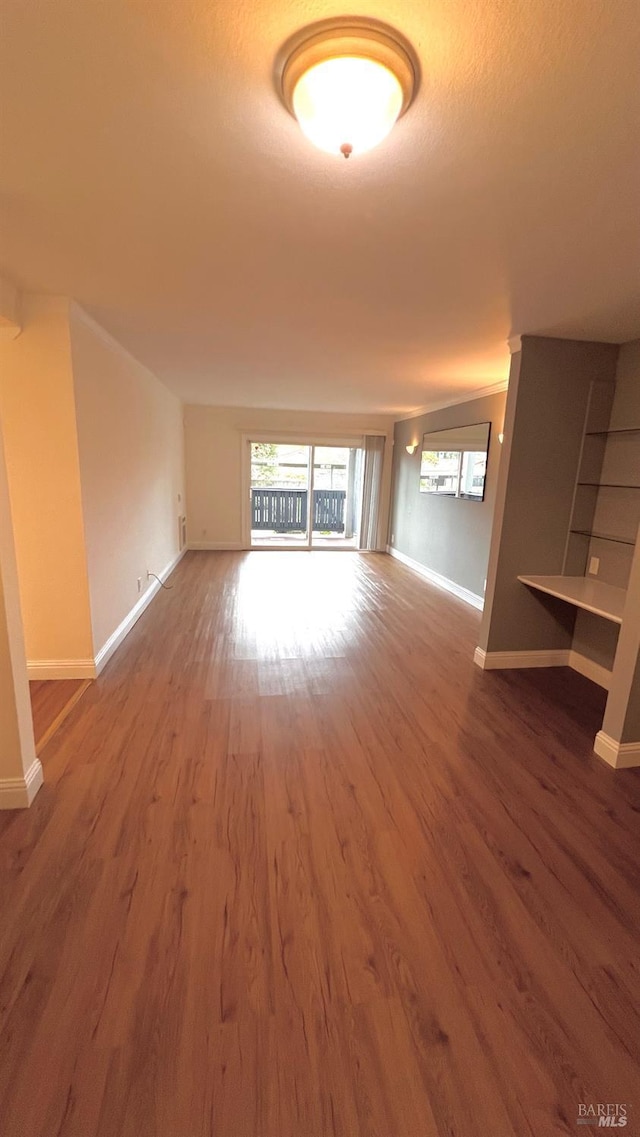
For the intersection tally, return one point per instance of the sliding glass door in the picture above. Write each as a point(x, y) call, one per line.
point(280, 492)
point(304, 496)
point(337, 492)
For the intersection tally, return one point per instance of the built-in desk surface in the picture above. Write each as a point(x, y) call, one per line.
point(603, 599)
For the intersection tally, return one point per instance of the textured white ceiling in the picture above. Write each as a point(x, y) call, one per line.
point(149, 170)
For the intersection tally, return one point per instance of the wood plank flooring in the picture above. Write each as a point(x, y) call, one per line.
point(300, 869)
point(51, 702)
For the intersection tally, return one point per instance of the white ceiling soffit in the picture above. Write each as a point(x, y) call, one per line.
point(150, 171)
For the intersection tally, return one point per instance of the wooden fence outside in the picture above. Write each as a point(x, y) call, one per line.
point(285, 511)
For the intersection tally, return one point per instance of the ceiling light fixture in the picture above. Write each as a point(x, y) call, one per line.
point(347, 82)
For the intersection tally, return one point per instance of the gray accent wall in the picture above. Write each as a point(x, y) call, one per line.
point(622, 716)
point(631, 728)
point(626, 404)
point(595, 638)
point(549, 396)
point(446, 535)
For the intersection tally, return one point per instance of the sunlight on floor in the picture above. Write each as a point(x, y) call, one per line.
point(294, 612)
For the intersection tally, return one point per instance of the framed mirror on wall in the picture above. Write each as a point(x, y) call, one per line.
point(453, 462)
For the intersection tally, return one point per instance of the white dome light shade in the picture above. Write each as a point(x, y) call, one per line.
point(346, 81)
point(347, 104)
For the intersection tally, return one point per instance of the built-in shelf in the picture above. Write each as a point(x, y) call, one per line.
point(604, 536)
point(602, 599)
point(617, 430)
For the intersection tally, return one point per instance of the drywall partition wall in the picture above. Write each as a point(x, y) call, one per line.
point(626, 404)
point(545, 414)
point(131, 466)
point(214, 457)
point(448, 537)
point(595, 639)
point(20, 770)
point(631, 727)
point(10, 309)
point(622, 716)
point(39, 423)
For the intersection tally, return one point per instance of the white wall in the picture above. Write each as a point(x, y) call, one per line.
point(39, 425)
point(20, 770)
point(213, 459)
point(130, 443)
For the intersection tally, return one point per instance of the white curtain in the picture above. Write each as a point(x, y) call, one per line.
point(371, 490)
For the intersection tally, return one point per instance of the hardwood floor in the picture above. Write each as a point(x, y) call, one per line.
point(300, 869)
point(51, 702)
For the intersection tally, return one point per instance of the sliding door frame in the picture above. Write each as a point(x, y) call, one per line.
point(353, 441)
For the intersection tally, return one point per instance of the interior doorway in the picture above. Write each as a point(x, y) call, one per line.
point(305, 496)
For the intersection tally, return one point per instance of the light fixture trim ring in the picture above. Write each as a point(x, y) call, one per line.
point(351, 36)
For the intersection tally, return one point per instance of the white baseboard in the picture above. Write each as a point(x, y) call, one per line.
point(620, 755)
point(594, 671)
point(61, 669)
point(216, 546)
point(440, 581)
point(123, 629)
point(497, 660)
point(560, 657)
point(18, 793)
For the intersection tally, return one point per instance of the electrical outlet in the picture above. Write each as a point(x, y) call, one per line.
point(594, 565)
point(139, 584)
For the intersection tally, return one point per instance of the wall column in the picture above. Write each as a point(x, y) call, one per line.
point(619, 740)
point(547, 402)
point(20, 769)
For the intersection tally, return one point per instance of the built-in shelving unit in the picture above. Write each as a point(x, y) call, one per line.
point(592, 595)
point(564, 586)
point(603, 536)
point(608, 465)
point(616, 430)
point(604, 456)
point(607, 458)
point(606, 505)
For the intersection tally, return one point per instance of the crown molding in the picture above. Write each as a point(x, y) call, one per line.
point(113, 343)
point(454, 401)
